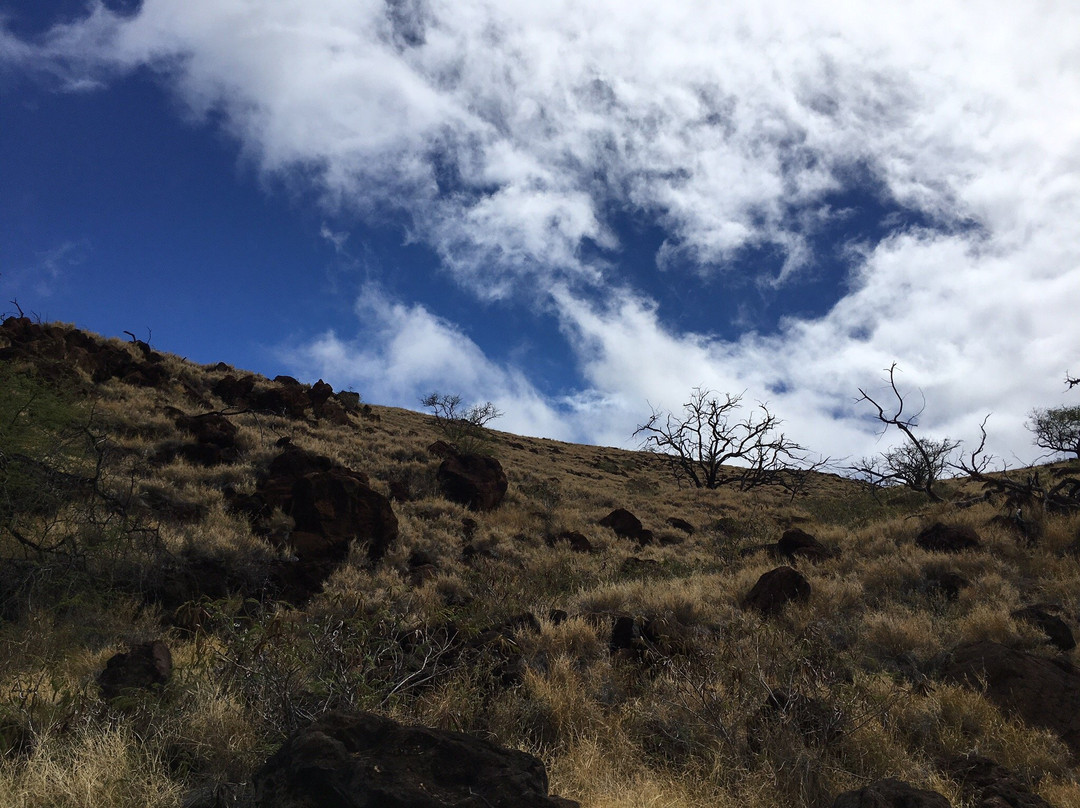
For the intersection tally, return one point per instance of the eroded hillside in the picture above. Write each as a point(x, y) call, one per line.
point(295, 552)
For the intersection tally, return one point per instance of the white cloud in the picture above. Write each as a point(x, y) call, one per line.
point(403, 352)
point(509, 134)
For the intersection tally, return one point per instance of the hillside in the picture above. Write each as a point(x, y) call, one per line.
point(265, 552)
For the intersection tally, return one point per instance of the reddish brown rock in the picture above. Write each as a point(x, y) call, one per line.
point(775, 589)
point(475, 481)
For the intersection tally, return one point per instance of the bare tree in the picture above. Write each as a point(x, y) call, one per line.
point(920, 462)
point(710, 445)
point(462, 426)
point(1056, 429)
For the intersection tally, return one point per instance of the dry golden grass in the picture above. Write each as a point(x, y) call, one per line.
point(681, 724)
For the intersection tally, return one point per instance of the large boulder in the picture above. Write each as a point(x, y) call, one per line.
point(476, 481)
point(1044, 692)
point(942, 538)
point(775, 589)
point(890, 793)
point(332, 507)
point(624, 523)
point(362, 760)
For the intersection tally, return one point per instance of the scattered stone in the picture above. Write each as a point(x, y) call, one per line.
point(577, 541)
point(476, 481)
point(558, 616)
point(797, 543)
point(890, 793)
point(942, 538)
point(1057, 631)
point(990, 785)
point(775, 589)
point(945, 583)
point(400, 490)
point(1044, 692)
point(145, 667)
point(681, 524)
point(361, 760)
point(625, 635)
point(644, 537)
point(286, 381)
point(349, 400)
point(639, 566)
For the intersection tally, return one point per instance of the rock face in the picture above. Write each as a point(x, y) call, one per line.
point(59, 350)
point(1044, 692)
point(796, 543)
point(890, 793)
point(990, 785)
point(775, 589)
point(361, 760)
point(942, 538)
point(476, 481)
point(144, 667)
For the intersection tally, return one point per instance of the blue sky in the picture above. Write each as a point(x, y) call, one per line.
point(577, 210)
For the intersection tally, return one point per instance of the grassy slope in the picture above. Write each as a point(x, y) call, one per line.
point(682, 727)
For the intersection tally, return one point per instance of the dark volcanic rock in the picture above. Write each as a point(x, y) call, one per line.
point(233, 391)
point(476, 481)
point(331, 507)
point(577, 541)
point(144, 667)
point(289, 400)
point(942, 538)
point(1056, 630)
point(624, 523)
point(990, 785)
point(1044, 692)
point(681, 524)
point(796, 543)
point(945, 583)
point(775, 589)
point(319, 394)
point(890, 793)
point(361, 760)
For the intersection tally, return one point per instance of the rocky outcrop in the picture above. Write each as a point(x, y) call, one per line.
point(58, 350)
point(1043, 692)
point(775, 589)
point(362, 760)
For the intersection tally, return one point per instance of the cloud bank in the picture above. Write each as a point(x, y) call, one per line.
point(511, 138)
